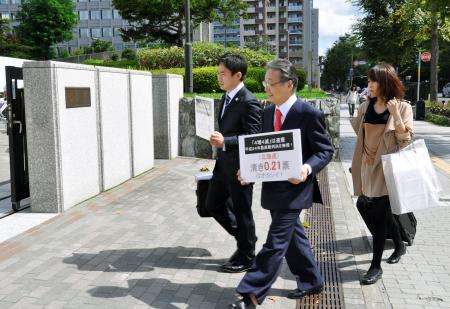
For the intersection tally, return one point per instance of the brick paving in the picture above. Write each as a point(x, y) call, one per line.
point(141, 245)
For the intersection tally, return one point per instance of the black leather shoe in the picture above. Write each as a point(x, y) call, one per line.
point(234, 257)
point(396, 255)
point(236, 267)
point(242, 304)
point(297, 294)
point(372, 276)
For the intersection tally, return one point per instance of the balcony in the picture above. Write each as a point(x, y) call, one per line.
point(249, 32)
point(249, 21)
point(295, 8)
point(295, 42)
point(295, 31)
point(295, 19)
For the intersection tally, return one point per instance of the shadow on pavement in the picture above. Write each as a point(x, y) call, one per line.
point(142, 260)
point(162, 293)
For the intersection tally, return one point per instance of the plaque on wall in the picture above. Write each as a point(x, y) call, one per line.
point(78, 97)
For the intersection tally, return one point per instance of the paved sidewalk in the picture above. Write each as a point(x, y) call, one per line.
point(141, 245)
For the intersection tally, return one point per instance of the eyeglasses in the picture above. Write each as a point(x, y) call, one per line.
point(267, 85)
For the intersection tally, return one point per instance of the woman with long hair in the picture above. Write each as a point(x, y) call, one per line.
point(383, 124)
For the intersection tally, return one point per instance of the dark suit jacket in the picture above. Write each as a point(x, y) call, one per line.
point(242, 116)
point(317, 151)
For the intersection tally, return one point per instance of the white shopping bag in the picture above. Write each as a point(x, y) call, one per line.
point(411, 179)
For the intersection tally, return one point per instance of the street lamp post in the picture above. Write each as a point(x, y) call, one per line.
point(188, 50)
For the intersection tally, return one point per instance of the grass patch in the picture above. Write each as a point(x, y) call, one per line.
point(437, 119)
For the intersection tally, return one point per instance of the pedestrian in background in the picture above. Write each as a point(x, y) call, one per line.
point(352, 99)
point(383, 124)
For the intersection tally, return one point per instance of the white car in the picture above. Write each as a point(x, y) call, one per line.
point(446, 90)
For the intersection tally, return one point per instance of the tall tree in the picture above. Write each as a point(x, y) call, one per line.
point(379, 34)
point(43, 23)
point(426, 22)
point(338, 62)
point(10, 45)
point(163, 19)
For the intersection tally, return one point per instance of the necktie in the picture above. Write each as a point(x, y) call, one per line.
point(227, 101)
point(278, 114)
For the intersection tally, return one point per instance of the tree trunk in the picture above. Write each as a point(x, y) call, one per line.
point(434, 58)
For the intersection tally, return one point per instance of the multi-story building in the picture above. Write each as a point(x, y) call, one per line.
point(226, 35)
point(290, 27)
point(97, 20)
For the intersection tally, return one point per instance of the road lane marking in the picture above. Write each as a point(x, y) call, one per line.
point(441, 164)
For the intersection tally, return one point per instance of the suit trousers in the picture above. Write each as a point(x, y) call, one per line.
point(239, 222)
point(286, 238)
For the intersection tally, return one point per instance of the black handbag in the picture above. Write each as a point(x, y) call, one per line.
point(407, 222)
point(202, 193)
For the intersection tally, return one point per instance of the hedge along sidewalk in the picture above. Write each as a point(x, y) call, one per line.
point(303, 94)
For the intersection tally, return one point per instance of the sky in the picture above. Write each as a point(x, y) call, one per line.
point(335, 19)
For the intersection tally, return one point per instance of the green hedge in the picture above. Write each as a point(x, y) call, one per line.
point(203, 54)
point(205, 79)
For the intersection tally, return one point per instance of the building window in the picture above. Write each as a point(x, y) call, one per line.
point(116, 32)
point(116, 14)
point(13, 16)
point(5, 16)
point(106, 14)
point(107, 32)
point(84, 15)
point(95, 14)
point(96, 33)
point(271, 26)
point(84, 32)
point(14, 1)
point(82, 0)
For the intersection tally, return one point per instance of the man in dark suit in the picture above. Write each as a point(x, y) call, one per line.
point(240, 114)
point(286, 199)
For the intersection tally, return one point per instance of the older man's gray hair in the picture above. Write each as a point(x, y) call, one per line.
point(287, 71)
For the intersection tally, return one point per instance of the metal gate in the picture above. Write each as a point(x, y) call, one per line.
point(16, 130)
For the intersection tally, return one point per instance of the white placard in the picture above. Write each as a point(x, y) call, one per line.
point(204, 117)
point(272, 156)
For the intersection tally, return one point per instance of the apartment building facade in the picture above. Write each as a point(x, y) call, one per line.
point(291, 28)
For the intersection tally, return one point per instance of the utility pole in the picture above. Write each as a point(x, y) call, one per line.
point(189, 87)
point(418, 76)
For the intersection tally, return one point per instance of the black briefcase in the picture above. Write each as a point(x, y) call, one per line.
point(202, 192)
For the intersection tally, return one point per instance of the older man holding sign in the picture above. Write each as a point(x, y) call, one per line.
point(286, 197)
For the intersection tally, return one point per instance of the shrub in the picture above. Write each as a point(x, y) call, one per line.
point(253, 85)
point(438, 119)
point(301, 79)
point(99, 46)
point(129, 54)
point(257, 74)
point(161, 58)
point(114, 57)
point(205, 80)
point(203, 54)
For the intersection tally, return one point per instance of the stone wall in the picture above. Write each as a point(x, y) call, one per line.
point(191, 145)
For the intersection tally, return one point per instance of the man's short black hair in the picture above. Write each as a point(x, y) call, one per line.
point(235, 63)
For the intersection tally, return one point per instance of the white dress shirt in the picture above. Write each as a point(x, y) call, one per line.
point(284, 109)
